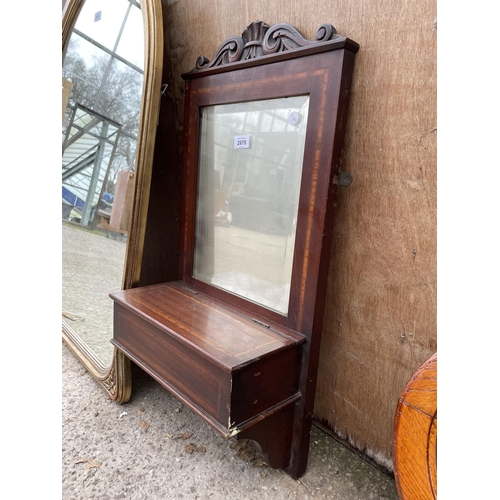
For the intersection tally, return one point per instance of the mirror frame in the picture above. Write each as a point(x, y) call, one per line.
point(116, 379)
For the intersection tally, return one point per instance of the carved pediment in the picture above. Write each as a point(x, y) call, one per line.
point(259, 39)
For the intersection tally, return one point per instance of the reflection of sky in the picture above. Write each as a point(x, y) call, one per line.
point(105, 31)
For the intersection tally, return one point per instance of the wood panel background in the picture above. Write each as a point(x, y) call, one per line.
point(380, 322)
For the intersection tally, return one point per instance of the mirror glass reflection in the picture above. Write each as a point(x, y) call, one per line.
point(102, 80)
point(249, 173)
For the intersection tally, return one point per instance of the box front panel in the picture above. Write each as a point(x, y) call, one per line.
point(200, 382)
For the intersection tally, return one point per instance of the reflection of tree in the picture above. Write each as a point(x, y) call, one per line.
point(113, 90)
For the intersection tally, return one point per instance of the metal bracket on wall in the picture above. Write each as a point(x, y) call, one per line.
point(345, 179)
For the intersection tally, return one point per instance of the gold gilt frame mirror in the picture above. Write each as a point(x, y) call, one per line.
point(113, 371)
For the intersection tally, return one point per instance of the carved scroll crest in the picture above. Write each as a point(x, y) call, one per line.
point(259, 39)
point(283, 37)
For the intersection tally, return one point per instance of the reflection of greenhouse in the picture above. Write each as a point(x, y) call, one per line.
point(87, 154)
point(102, 73)
point(258, 184)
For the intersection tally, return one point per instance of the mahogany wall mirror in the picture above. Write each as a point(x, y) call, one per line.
point(112, 63)
point(236, 336)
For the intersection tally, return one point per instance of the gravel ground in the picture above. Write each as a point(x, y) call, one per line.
point(156, 448)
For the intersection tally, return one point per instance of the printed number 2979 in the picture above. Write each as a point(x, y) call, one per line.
point(241, 141)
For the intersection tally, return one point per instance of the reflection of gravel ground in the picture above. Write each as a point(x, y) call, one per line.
point(92, 267)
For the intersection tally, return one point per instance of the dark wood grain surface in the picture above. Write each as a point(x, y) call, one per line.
point(230, 369)
point(227, 338)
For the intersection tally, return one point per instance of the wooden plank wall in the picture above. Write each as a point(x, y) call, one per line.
point(380, 322)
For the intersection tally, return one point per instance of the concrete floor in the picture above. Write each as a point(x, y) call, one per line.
point(156, 448)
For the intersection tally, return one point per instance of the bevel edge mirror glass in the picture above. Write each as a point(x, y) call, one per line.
point(115, 377)
point(249, 176)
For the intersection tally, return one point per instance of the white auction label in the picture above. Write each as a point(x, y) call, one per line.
point(241, 141)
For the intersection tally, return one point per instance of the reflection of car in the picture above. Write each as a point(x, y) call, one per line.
point(105, 206)
point(108, 197)
point(74, 212)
